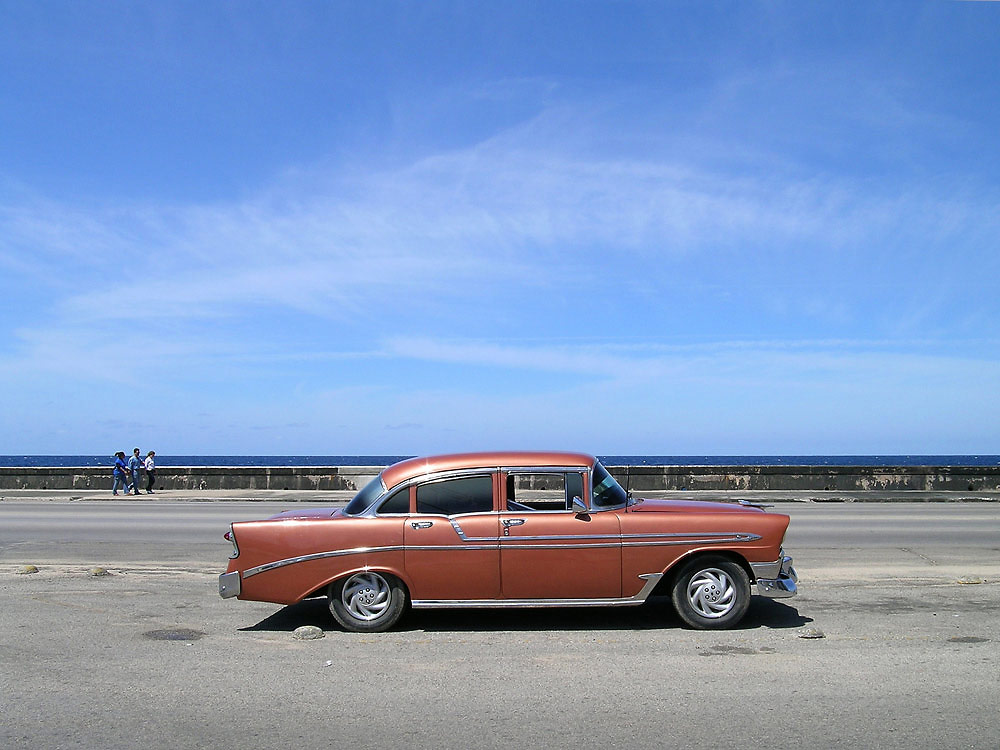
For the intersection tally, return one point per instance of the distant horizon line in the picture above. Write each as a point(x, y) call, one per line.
point(66, 460)
point(4, 455)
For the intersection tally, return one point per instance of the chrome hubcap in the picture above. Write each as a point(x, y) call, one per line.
point(366, 595)
point(711, 593)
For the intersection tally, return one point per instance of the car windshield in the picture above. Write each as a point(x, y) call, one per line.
point(607, 492)
point(363, 500)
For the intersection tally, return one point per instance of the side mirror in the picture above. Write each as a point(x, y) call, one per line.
point(580, 507)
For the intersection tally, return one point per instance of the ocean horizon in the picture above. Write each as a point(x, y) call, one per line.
point(8, 461)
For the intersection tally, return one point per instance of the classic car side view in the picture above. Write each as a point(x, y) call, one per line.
point(509, 529)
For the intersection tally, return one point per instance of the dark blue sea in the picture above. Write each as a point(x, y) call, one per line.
point(164, 460)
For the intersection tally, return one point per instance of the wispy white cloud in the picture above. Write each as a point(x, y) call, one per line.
point(745, 362)
point(754, 397)
point(458, 233)
point(499, 208)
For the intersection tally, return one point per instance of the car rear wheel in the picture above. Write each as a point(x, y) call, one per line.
point(367, 602)
point(711, 593)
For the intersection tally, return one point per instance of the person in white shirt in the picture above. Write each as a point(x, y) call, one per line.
point(150, 468)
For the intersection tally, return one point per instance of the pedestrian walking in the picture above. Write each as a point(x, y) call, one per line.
point(120, 474)
point(150, 466)
point(134, 467)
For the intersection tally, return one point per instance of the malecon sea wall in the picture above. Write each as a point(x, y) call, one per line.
point(843, 478)
point(639, 478)
point(195, 477)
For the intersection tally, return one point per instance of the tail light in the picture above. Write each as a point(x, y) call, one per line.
point(229, 536)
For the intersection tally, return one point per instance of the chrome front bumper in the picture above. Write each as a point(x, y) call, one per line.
point(229, 584)
point(775, 579)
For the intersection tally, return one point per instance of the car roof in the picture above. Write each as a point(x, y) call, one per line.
point(423, 465)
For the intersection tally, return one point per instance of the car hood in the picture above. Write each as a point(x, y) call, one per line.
point(308, 513)
point(689, 506)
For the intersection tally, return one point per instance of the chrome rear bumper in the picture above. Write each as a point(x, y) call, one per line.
point(776, 580)
point(229, 584)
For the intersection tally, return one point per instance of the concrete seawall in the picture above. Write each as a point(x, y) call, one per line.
point(639, 478)
point(195, 477)
point(818, 478)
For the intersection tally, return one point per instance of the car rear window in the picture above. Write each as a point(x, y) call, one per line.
point(460, 495)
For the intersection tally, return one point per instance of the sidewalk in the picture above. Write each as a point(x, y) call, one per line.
point(313, 497)
point(341, 497)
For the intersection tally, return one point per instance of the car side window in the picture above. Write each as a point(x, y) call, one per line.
point(574, 488)
point(397, 502)
point(459, 495)
point(527, 491)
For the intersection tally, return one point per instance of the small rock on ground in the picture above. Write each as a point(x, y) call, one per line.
point(308, 633)
point(812, 633)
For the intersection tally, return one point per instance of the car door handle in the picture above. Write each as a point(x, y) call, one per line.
point(422, 524)
point(508, 522)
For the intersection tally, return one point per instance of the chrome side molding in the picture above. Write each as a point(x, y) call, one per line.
point(651, 580)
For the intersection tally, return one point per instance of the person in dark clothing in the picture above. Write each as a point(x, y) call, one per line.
point(121, 473)
point(150, 466)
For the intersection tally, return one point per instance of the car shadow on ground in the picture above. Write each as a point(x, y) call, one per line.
point(656, 614)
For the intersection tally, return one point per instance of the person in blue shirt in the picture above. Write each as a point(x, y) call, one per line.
point(120, 474)
point(134, 466)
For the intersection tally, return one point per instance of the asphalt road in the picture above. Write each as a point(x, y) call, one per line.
point(909, 658)
point(826, 539)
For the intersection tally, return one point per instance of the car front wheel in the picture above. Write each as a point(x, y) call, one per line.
point(367, 602)
point(711, 593)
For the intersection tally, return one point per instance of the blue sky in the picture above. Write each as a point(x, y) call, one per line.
point(395, 228)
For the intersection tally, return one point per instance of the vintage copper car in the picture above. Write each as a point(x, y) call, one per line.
point(510, 529)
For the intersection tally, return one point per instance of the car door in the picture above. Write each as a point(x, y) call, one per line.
point(451, 539)
point(547, 551)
